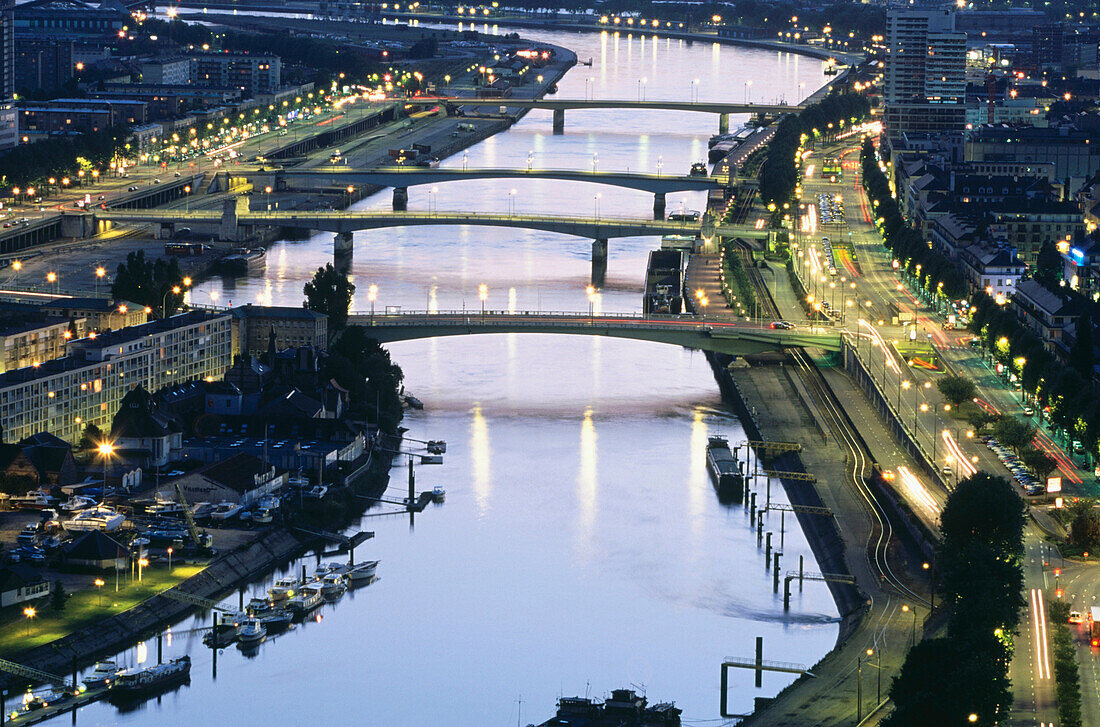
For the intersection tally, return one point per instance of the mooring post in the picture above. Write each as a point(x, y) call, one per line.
point(214, 636)
point(759, 531)
point(240, 599)
point(745, 484)
point(775, 572)
point(74, 682)
point(752, 508)
point(160, 649)
point(782, 523)
point(412, 484)
point(800, 559)
point(787, 593)
point(723, 702)
point(767, 551)
point(759, 661)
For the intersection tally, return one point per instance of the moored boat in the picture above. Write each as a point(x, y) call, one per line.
point(276, 620)
point(359, 572)
point(100, 517)
point(724, 471)
point(135, 682)
point(251, 631)
point(333, 585)
point(103, 675)
point(306, 599)
point(438, 494)
point(283, 589)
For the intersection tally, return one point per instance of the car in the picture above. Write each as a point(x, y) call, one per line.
point(178, 174)
point(102, 197)
point(1075, 617)
point(1028, 411)
point(947, 470)
point(782, 325)
point(132, 189)
point(156, 181)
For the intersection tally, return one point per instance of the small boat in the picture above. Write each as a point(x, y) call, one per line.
point(76, 503)
point(323, 569)
point(225, 511)
point(100, 517)
point(283, 589)
point(359, 572)
point(33, 500)
point(306, 599)
point(298, 481)
point(103, 675)
point(438, 494)
point(269, 502)
point(431, 459)
point(333, 585)
point(225, 629)
point(263, 516)
point(436, 446)
point(251, 631)
point(45, 699)
point(134, 682)
point(317, 492)
point(258, 606)
point(276, 620)
point(164, 507)
point(412, 402)
point(201, 510)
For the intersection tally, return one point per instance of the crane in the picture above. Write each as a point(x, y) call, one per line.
point(200, 539)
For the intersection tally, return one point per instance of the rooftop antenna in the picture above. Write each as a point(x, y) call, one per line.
point(638, 688)
point(587, 688)
point(519, 714)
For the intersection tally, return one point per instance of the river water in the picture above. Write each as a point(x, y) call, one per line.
point(581, 547)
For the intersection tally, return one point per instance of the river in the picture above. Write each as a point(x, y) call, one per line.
point(581, 547)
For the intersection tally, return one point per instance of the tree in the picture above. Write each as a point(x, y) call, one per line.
point(1084, 529)
point(979, 418)
point(361, 365)
point(58, 596)
point(956, 389)
point(1038, 462)
point(1013, 432)
point(330, 293)
point(1048, 264)
point(90, 438)
point(1082, 356)
point(983, 509)
point(148, 282)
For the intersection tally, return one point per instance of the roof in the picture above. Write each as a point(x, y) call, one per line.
point(239, 473)
point(292, 403)
point(102, 305)
point(94, 545)
point(137, 417)
point(273, 311)
point(18, 575)
point(1034, 294)
point(8, 454)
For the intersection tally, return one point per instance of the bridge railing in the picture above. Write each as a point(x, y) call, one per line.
point(479, 216)
point(474, 316)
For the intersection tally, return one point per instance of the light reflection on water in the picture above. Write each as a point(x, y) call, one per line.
point(581, 541)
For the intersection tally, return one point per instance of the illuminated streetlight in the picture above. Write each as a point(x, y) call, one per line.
point(483, 294)
point(372, 295)
point(98, 582)
point(30, 613)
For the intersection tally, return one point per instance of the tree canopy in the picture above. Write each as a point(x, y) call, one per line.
point(149, 282)
point(956, 389)
point(330, 292)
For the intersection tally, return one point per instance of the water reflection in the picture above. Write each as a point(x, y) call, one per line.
point(588, 480)
point(479, 458)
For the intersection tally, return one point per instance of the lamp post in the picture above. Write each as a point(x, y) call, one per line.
point(100, 273)
point(512, 202)
point(169, 560)
point(176, 290)
point(99, 583)
point(591, 290)
point(596, 201)
point(747, 84)
point(106, 449)
point(913, 630)
point(483, 294)
point(372, 295)
point(30, 613)
point(142, 564)
point(595, 161)
point(660, 163)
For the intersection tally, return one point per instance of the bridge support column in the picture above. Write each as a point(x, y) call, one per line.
point(723, 123)
point(228, 228)
point(599, 262)
point(400, 199)
point(659, 205)
point(559, 121)
point(342, 252)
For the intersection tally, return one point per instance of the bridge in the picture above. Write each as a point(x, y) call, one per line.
point(697, 332)
point(560, 105)
point(401, 178)
point(235, 215)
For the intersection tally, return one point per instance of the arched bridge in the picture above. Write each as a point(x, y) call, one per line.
point(559, 106)
point(401, 178)
point(736, 339)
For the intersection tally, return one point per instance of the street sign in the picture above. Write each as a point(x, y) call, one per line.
point(1054, 484)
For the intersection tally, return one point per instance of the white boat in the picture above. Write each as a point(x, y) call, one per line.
point(283, 589)
point(258, 606)
point(436, 446)
point(359, 572)
point(164, 507)
point(100, 517)
point(201, 510)
point(438, 494)
point(251, 631)
point(225, 511)
point(33, 500)
point(270, 502)
point(137, 681)
point(333, 585)
point(298, 481)
point(103, 675)
point(324, 569)
point(263, 516)
point(316, 492)
point(76, 503)
point(431, 459)
point(306, 599)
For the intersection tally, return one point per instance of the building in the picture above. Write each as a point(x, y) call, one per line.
point(98, 314)
point(293, 327)
point(994, 269)
point(167, 101)
point(9, 118)
point(1081, 265)
point(98, 550)
point(16, 468)
point(925, 79)
point(87, 386)
point(43, 63)
point(80, 115)
point(1045, 313)
point(141, 434)
point(52, 457)
point(166, 71)
point(1058, 46)
point(242, 478)
point(1025, 226)
point(31, 340)
point(1070, 150)
point(69, 17)
point(252, 74)
point(20, 583)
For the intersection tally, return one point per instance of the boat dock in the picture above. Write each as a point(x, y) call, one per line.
point(53, 710)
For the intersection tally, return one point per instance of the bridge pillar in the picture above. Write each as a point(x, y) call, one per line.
point(228, 228)
point(342, 251)
point(599, 262)
point(400, 199)
point(559, 121)
point(659, 205)
point(723, 123)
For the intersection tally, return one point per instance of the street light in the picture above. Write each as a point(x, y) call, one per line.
point(913, 631)
point(596, 200)
point(372, 295)
point(591, 290)
point(30, 613)
point(142, 564)
point(106, 449)
point(595, 161)
point(176, 290)
point(99, 583)
point(170, 560)
point(483, 294)
point(100, 273)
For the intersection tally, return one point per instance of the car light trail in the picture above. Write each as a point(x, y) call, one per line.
point(1038, 622)
point(882, 345)
point(917, 490)
point(953, 447)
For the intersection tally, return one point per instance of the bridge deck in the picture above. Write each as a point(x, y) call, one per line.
point(712, 107)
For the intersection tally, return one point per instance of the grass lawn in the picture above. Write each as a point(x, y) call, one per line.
point(83, 608)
